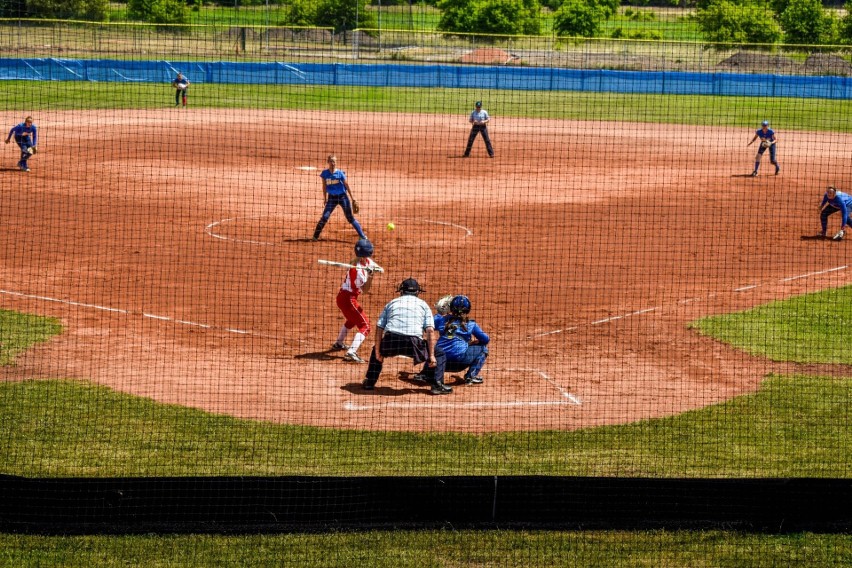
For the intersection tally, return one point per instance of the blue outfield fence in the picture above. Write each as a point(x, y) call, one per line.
point(431, 76)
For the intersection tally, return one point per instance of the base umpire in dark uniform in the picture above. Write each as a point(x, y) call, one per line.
point(479, 119)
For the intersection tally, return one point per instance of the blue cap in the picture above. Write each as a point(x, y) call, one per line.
point(479, 103)
point(765, 123)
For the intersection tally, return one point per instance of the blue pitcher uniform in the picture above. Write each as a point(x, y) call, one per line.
point(335, 189)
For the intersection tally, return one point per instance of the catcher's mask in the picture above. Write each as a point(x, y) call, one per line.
point(363, 248)
point(460, 306)
point(409, 287)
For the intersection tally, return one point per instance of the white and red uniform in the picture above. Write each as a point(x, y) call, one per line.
point(347, 297)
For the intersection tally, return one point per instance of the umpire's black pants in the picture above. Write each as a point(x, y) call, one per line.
point(394, 345)
point(479, 129)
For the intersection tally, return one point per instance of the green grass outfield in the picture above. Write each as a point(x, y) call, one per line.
point(785, 113)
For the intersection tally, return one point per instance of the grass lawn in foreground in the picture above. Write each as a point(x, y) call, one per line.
point(434, 549)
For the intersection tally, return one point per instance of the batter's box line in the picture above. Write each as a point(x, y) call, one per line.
point(568, 399)
point(740, 289)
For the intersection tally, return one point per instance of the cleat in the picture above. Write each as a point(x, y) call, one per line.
point(420, 378)
point(441, 388)
point(368, 386)
point(473, 380)
point(353, 357)
point(754, 174)
point(777, 170)
point(337, 346)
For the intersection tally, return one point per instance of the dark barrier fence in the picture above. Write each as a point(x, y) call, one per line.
point(311, 504)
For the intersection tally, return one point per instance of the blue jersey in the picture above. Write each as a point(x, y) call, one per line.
point(455, 336)
point(768, 135)
point(841, 201)
point(24, 133)
point(334, 182)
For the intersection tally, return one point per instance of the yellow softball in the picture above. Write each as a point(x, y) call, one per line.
point(391, 226)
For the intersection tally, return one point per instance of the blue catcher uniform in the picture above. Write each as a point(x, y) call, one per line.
point(840, 202)
point(335, 192)
point(26, 137)
point(455, 341)
point(765, 134)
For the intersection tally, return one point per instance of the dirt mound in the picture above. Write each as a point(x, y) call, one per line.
point(825, 64)
point(759, 63)
point(488, 56)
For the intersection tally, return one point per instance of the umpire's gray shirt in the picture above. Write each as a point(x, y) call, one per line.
point(406, 315)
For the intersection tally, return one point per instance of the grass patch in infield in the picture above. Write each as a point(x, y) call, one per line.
point(792, 427)
point(813, 328)
point(784, 113)
point(20, 331)
point(434, 549)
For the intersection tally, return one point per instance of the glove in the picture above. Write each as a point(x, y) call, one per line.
point(32, 150)
point(839, 236)
point(766, 143)
point(355, 207)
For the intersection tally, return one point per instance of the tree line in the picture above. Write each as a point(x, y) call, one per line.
point(724, 21)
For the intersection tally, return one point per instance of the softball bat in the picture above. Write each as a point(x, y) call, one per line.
point(347, 265)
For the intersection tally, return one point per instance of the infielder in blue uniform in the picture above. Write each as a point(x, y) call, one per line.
point(335, 188)
point(767, 140)
point(26, 136)
point(832, 202)
point(463, 342)
point(479, 119)
point(181, 84)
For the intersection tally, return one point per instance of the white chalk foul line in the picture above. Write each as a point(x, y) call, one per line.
point(143, 314)
point(687, 301)
point(809, 274)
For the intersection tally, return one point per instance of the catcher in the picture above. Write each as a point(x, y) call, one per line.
point(767, 140)
point(26, 136)
point(335, 189)
point(832, 202)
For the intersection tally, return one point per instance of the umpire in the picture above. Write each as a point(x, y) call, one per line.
point(400, 330)
point(479, 119)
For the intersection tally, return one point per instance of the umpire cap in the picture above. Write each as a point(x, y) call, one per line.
point(409, 286)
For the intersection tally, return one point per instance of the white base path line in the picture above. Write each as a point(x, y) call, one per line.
point(809, 274)
point(211, 229)
point(573, 399)
point(688, 300)
point(143, 314)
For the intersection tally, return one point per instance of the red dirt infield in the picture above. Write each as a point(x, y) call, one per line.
point(174, 245)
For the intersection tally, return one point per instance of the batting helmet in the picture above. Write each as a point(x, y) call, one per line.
point(460, 305)
point(363, 248)
point(409, 286)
